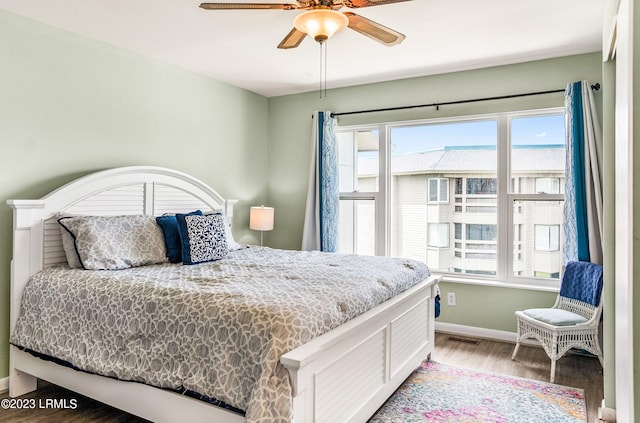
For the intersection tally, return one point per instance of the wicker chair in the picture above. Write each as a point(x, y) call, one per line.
point(573, 320)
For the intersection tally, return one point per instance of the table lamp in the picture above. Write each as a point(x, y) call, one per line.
point(261, 219)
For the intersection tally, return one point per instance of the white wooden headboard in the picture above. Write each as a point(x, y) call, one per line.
point(146, 190)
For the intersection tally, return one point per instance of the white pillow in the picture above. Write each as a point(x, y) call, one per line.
point(232, 245)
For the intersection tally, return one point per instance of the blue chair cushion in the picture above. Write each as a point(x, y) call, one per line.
point(555, 316)
point(582, 281)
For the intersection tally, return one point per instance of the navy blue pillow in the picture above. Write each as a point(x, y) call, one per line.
point(169, 226)
point(203, 238)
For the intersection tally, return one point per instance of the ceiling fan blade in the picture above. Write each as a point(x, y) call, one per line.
point(374, 30)
point(292, 40)
point(354, 4)
point(230, 6)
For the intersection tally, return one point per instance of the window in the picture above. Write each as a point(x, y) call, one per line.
point(482, 185)
point(477, 195)
point(438, 235)
point(359, 191)
point(537, 152)
point(477, 232)
point(438, 190)
point(547, 237)
point(548, 185)
point(357, 217)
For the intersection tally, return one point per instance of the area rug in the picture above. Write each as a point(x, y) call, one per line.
point(441, 393)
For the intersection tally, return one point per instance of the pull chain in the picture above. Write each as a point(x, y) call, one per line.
point(323, 70)
point(320, 86)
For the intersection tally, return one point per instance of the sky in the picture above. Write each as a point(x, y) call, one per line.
point(536, 130)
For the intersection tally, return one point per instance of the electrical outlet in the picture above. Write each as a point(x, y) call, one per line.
point(451, 298)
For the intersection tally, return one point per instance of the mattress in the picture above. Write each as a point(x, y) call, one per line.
point(216, 329)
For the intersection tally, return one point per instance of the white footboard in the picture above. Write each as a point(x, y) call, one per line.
point(347, 374)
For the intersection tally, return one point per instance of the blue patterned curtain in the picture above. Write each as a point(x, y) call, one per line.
point(321, 215)
point(583, 182)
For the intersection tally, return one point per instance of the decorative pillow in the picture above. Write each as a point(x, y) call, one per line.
point(202, 237)
point(232, 245)
point(169, 226)
point(116, 242)
point(69, 248)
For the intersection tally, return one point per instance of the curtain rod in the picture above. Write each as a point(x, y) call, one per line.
point(448, 103)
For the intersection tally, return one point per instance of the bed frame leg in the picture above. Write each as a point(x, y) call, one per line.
point(21, 383)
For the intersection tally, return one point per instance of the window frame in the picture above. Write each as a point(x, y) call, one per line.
point(379, 197)
point(440, 226)
point(549, 246)
point(552, 182)
point(505, 197)
point(508, 198)
point(439, 181)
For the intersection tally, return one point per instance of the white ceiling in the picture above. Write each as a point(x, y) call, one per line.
point(239, 46)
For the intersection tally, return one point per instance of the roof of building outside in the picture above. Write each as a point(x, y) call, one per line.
point(471, 159)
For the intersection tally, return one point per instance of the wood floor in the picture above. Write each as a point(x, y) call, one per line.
point(492, 356)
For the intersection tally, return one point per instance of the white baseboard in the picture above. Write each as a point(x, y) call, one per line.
point(4, 385)
point(606, 414)
point(476, 332)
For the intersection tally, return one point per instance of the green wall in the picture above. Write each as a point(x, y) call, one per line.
point(289, 149)
point(70, 106)
point(489, 307)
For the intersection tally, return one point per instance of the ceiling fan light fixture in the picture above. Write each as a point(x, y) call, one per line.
point(321, 24)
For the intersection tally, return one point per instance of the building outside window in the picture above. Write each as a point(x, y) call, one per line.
point(548, 185)
point(482, 185)
point(547, 237)
point(438, 235)
point(480, 195)
point(438, 190)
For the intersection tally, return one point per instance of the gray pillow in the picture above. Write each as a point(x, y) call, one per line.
point(116, 242)
point(69, 247)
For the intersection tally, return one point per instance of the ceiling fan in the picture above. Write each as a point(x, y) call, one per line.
point(322, 19)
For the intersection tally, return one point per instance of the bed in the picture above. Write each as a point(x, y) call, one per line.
point(344, 374)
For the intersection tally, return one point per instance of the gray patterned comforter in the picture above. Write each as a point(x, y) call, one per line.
point(217, 329)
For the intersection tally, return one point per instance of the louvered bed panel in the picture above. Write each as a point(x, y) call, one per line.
point(409, 333)
point(359, 372)
point(129, 199)
point(168, 199)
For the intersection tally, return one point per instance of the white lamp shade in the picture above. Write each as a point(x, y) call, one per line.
point(261, 218)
